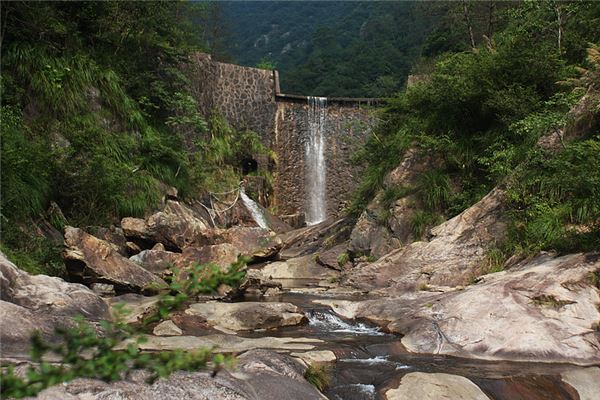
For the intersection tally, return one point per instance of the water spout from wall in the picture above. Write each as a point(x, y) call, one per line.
point(255, 211)
point(316, 207)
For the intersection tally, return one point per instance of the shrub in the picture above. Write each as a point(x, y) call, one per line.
point(319, 375)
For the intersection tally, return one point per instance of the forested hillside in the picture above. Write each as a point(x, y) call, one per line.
point(329, 48)
point(485, 116)
point(95, 107)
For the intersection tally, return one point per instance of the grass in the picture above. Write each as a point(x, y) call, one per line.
point(318, 375)
point(343, 259)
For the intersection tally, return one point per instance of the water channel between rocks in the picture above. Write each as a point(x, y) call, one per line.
point(370, 361)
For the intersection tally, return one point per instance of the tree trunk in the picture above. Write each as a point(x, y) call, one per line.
point(469, 25)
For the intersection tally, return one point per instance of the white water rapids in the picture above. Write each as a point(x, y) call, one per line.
point(315, 161)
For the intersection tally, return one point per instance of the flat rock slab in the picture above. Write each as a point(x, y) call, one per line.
point(545, 310)
point(248, 315)
point(136, 306)
point(227, 343)
point(316, 356)
point(585, 381)
point(423, 386)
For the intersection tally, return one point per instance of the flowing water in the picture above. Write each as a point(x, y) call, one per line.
point(316, 208)
point(254, 209)
point(369, 360)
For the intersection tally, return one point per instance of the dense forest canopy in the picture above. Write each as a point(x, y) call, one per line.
point(360, 49)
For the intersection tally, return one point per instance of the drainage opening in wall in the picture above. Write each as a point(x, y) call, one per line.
point(249, 165)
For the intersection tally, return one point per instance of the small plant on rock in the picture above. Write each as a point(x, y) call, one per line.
point(319, 375)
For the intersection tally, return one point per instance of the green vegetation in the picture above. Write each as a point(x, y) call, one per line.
point(319, 375)
point(114, 353)
point(343, 259)
point(479, 114)
point(97, 117)
point(360, 49)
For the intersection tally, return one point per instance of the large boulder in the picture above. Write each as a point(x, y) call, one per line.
point(374, 236)
point(295, 272)
point(248, 315)
point(454, 255)
point(176, 226)
point(91, 260)
point(424, 386)
point(159, 261)
point(259, 375)
point(315, 238)
point(545, 310)
point(41, 303)
point(258, 243)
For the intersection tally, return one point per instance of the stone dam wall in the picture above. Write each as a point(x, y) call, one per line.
point(250, 98)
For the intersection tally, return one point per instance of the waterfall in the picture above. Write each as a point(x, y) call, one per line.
point(254, 209)
point(315, 161)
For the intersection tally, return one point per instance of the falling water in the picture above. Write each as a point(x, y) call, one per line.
point(315, 161)
point(254, 209)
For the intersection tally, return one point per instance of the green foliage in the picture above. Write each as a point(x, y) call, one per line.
point(319, 375)
point(25, 179)
point(554, 199)
point(113, 353)
point(186, 284)
point(479, 115)
point(433, 190)
point(343, 259)
point(266, 63)
point(330, 48)
point(422, 220)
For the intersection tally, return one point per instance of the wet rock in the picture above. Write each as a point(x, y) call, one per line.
point(248, 315)
point(585, 381)
point(423, 386)
point(543, 310)
point(177, 226)
point(454, 255)
point(167, 328)
point(259, 375)
point(91, 260)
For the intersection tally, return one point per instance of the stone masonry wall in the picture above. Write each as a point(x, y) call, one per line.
point(347, 127)
point(250, 98)
point(243, 95)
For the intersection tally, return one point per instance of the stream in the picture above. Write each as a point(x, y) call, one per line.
point(370, 361)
